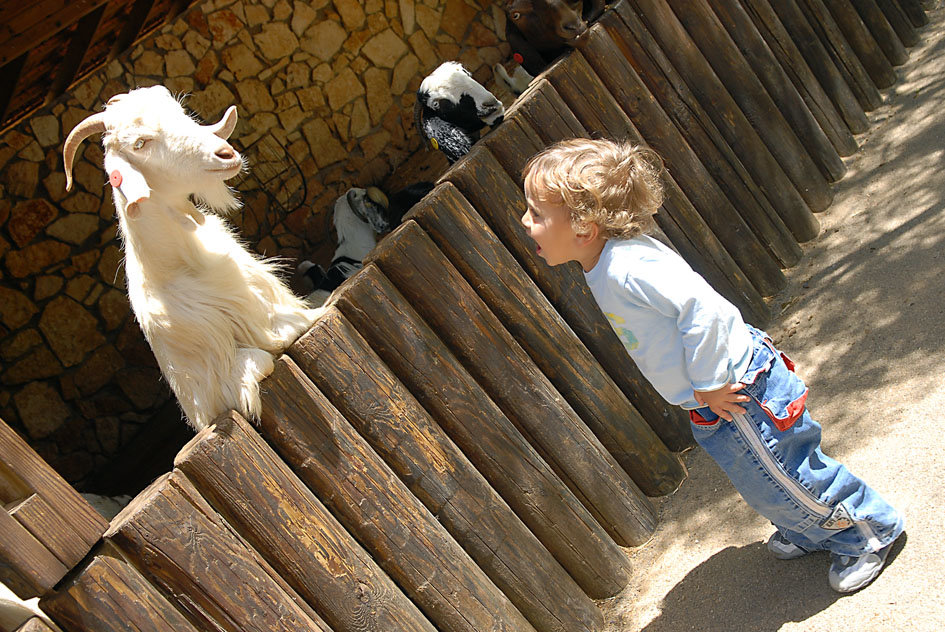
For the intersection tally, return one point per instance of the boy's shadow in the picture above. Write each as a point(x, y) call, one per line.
point(744, 589)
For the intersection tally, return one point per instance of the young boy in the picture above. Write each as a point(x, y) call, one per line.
point(591, 201)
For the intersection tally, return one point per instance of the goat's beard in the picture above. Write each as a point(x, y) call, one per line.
point(218, 197)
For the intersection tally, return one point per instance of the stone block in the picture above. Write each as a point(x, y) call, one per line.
point(16, 309)
point(405, 70)
point(351, 13)
point(36, 365)
point(114, 308)
point(19, 343)
point(384, 49)
point(428, 19)
point(28, 219)
point(21, 178)
point(254, 96)
point(343, 89)
point(408, 16)
point(223, 26)
point(74, 228)
point(276, 40)
point(46, 130)
point(71, 331)
point(241, 61)
point(324, 39)
point(179, 63)
point(41, 409)
point(35, 258)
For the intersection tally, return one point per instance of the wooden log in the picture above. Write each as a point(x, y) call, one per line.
point(377, 508)
point(837, 47)
point(541, 105)
point(755, 254)
point(345, 368)
point(34, 625)
point(501, 202)
point(171, 534)
point(680, 48)
point(443, 298)
point(862, 43)
point(811, 129)
point(33, 473)
point(778, 228)
point(914, 10)
point(41, 520)
point(899, 22)
point(793, 64)
point(26, 566)
point(809, 161)
point(475, 251)
point(280, 517)
point(582, 90)
point(477, 425)
point(886, 37)
point(109, 595)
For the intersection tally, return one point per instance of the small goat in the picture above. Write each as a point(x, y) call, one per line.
point(540, 30)
point(213, 313)
point(452, 107)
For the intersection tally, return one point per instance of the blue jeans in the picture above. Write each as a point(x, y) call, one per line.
point(772, 455)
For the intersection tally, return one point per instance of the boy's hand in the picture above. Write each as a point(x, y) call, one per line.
point(723, 401)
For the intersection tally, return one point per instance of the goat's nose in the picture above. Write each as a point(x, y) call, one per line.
point(575, 27)
point(225, 153)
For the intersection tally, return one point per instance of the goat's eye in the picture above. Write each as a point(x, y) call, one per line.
point(515, 15)
point(139, 144)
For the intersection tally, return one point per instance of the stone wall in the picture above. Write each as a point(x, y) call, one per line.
point(325, 88)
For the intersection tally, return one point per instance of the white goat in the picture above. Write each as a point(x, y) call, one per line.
point(213, 313)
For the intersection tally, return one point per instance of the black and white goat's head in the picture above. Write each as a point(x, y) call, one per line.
point(153, 148)
point(452, 107)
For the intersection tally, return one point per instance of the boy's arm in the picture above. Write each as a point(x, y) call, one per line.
point(723, 401)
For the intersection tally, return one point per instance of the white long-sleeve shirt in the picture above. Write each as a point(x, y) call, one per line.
point(682, 334)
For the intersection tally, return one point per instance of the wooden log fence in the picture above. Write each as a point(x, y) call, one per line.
point(460, 443)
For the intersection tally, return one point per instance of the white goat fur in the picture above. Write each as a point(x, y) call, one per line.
point(212, 311)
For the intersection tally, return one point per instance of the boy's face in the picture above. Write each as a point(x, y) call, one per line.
point(548, 222)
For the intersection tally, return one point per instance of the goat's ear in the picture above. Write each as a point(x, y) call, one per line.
point(128, 181)
point(225, 127)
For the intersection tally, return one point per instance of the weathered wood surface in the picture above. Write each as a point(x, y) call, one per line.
point(839, 50)
point(582, 90)
point(109, 595)
point(34, 625)
point(374, 505)
point(185, 548)
point(862, 43)
point(793, 64)
point(809, 164)
point(22, 474)
point(502, 203)
point(899, 22)
point(475, 251)
point(742, 137)
point(915, 11)
point(811, 126)
point(542, 107)
point(779, 227)
point(756, 255)
point(345, 368)
point(477, 425)
point(882, 31)
point(831, 79)
point(473, 333)
point(278, 515)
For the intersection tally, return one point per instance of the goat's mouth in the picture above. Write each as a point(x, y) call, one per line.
point(233, 169)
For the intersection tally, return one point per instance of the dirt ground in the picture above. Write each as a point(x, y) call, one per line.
point(863, 317)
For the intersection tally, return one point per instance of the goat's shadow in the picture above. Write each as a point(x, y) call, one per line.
point(744, 589)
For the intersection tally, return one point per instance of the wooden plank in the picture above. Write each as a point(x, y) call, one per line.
point(34, 625)
point(899, 22)
point(443, 298)
point(882, 31)
point(862, 43)
point(280, 517)
point(477, 425)
point(501, 202)
point(793, 64)
point(780, 218)
point(35, 473)
point(41, 520)
point(187, 549)
point(377, 508)
point(810, 164)
point(109, 595)
point(469, 244)
point(753, 254)
point(27, 567)
point(23, 26)
point(915, 11)
point(849, 65)
point(345, 368)
point(132, 26)
point(815, 135)
point(10, 74)
point(541, 106)
point(79, 41)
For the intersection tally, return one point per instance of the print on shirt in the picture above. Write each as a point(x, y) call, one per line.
point(626, 336)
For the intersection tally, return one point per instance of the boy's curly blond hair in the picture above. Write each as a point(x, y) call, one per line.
point(615, 185)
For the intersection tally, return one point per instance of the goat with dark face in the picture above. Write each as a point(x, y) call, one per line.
point(452, 107)
point(540, 30)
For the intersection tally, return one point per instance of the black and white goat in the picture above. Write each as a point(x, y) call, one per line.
point(360, 216)
point(213, 312)
point(452, 107)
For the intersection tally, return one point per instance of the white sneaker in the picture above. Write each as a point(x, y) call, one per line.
point(848, 574)
point(781, 548)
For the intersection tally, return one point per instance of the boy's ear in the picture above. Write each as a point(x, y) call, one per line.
point(588, 234)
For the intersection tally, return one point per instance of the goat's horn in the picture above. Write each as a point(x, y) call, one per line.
point(94, 124)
